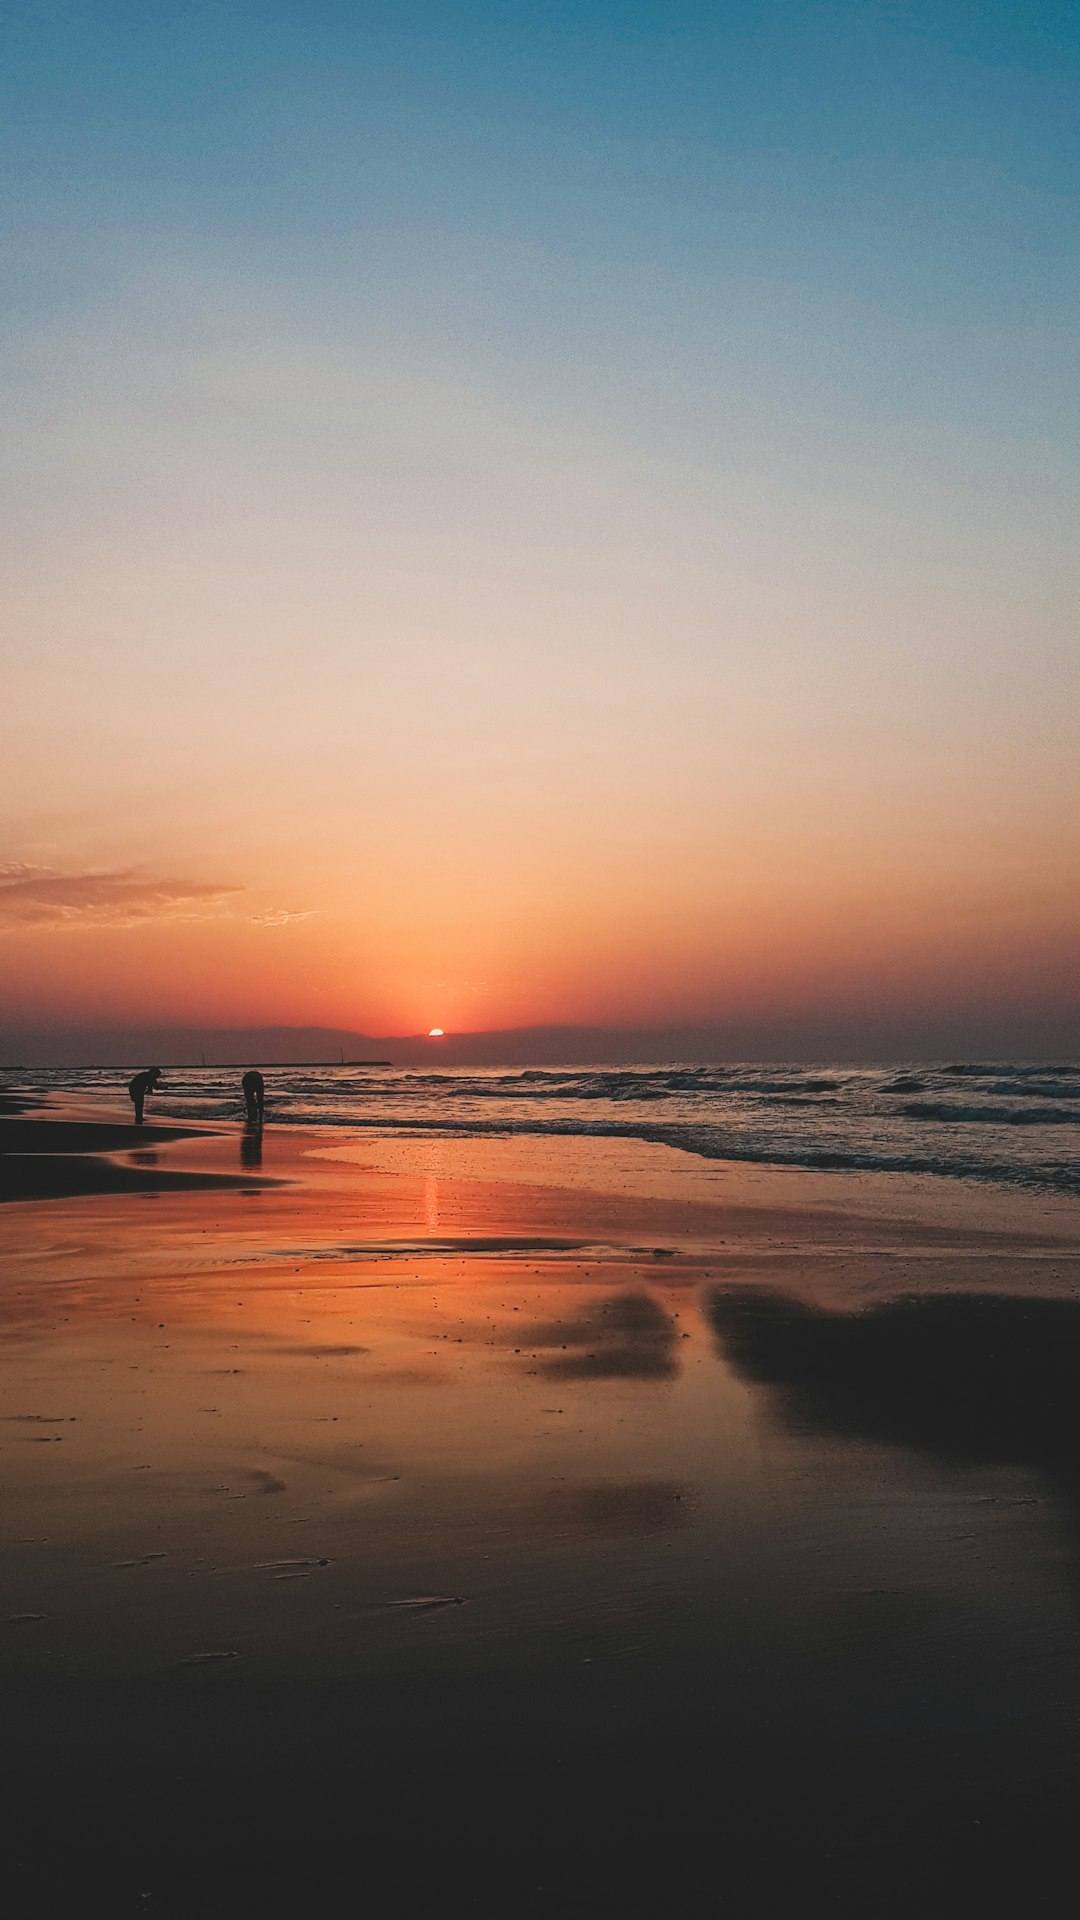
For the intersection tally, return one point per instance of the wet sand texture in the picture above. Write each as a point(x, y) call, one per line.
point(42, 1134)
point(44, 1158)
point(389, 1542)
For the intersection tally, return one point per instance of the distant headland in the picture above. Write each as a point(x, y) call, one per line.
point(838, 1036)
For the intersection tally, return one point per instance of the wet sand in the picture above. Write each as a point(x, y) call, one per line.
point(46, 1155)
point(531, 1528)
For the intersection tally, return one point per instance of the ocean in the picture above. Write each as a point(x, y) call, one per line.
point(1006, 1124)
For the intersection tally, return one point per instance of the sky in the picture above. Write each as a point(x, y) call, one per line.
point(523, 514)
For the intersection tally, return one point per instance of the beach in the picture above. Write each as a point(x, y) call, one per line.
point(529, 1525)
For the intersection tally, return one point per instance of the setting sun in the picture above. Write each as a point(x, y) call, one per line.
point(435, 1033)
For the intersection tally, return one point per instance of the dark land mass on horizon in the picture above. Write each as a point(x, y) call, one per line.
point(840, 1038)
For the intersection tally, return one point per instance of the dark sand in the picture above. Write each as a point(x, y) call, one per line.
point(44, 1158)
point(532, 1531)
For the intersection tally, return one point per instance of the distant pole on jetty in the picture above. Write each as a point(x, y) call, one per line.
point(184, 1066)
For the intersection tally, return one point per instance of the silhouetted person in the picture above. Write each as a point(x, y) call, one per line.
point(143, 1083)
point(254, 1095)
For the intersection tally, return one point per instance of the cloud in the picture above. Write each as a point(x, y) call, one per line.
point(39, 896)
point(284, 916)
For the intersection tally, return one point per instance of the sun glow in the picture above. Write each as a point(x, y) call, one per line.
point(435, 1033)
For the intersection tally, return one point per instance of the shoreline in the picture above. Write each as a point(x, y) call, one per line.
point(35, 1127)
point(831, 1235)
point(996, 1130)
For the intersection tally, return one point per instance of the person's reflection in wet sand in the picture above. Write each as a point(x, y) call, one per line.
point(251, 1146)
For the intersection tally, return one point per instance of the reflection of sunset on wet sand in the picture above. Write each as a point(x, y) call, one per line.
point(375, 1493)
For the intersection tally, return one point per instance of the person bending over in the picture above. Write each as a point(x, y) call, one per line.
point(143, 1083)
point(254, 1095)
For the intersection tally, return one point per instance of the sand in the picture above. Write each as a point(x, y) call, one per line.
point(529, 1528)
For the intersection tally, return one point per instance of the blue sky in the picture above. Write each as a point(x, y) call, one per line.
point(836, 119)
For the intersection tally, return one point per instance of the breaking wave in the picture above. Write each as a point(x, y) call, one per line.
point(1010, 1125)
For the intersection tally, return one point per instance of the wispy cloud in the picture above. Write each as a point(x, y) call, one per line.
point(40, 896)
point(284, 916)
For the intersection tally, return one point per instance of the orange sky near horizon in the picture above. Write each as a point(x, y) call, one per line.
point(358, 831)
point(640, 929)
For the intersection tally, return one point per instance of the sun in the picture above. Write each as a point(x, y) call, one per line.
point(435, 1033)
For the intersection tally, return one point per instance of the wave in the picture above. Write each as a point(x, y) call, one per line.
point(976, 1121)
point(643, 1083)
point(1013, 1070)
point(1031, 1089)
point(992, 1116)
point(711, 1143)
point(802, 1099)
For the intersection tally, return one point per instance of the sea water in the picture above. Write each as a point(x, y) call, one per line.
point(1009, 1125)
